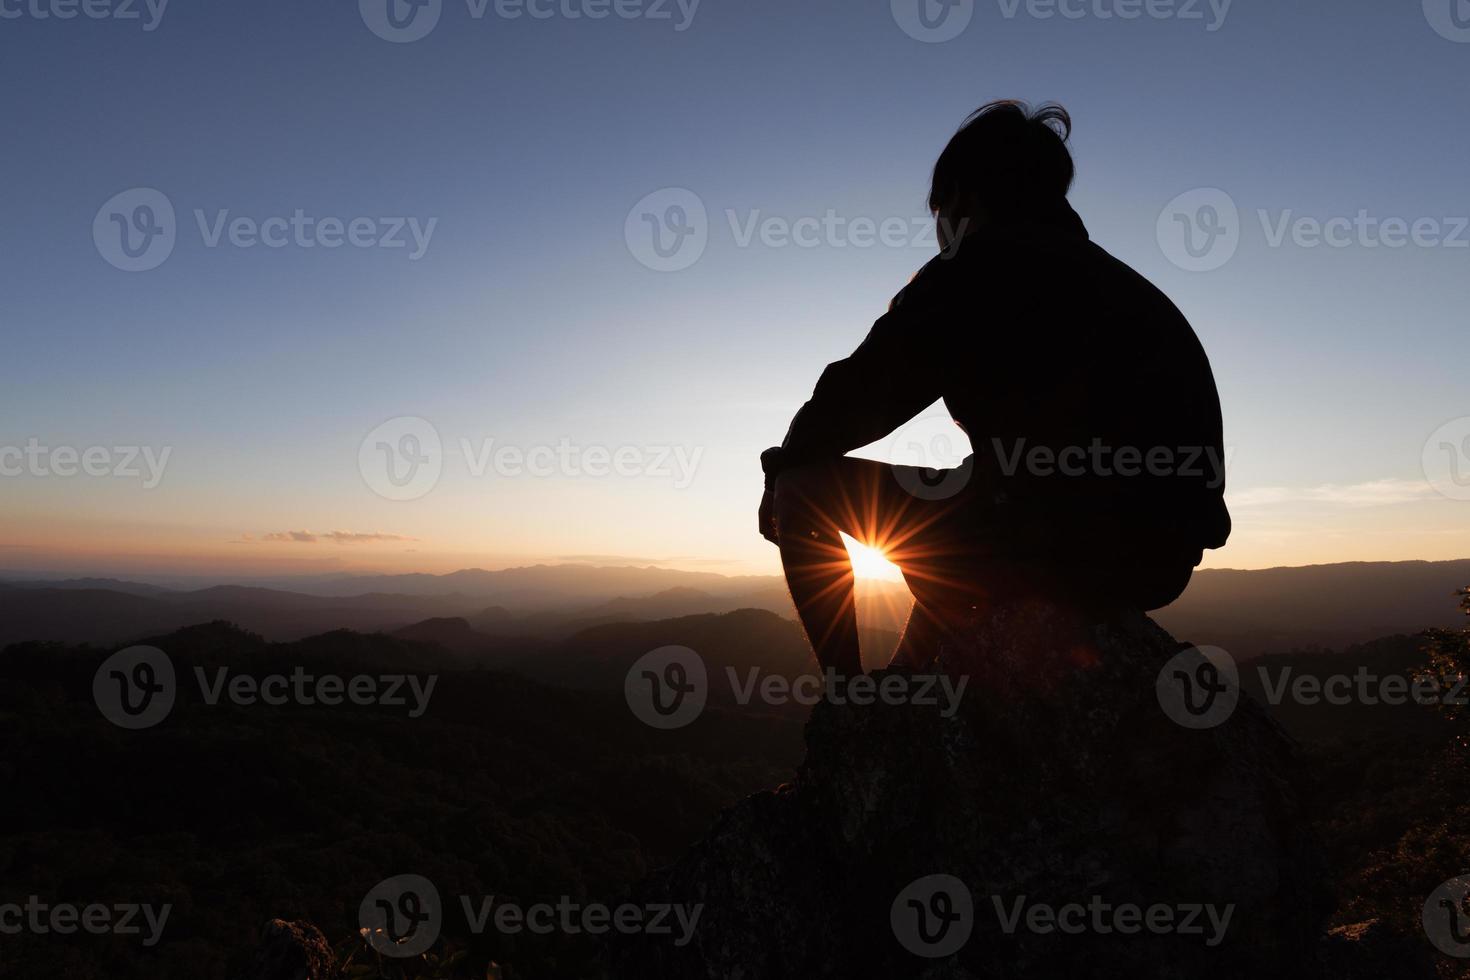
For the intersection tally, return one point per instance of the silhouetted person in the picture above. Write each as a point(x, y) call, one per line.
point(1097, 474)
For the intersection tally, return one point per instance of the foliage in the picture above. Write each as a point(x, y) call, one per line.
point(1449, 658)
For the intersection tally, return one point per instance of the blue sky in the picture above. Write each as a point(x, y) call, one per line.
point(530, 321)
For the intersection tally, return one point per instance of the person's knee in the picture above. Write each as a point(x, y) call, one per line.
point(799, 493)
point(797, 487)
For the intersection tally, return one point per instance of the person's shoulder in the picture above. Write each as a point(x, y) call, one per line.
point(1124, 273)
point(937, 280)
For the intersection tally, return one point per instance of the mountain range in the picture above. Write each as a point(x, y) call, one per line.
point(527, 611)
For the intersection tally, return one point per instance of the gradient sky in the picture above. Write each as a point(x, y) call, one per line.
point(529, 319)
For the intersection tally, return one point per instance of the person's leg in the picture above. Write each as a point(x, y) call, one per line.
point(815, 505)
point(812, 509)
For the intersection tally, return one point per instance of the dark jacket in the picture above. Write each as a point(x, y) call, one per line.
point(1087, 398)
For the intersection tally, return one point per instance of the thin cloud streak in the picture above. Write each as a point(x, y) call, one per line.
point(1373, 493)
point(331, 537)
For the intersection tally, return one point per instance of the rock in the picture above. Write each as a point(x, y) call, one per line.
point(910, 839)
point(1371, 950)
point(292, 951)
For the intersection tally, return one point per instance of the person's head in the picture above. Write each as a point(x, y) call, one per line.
point(1005, 161)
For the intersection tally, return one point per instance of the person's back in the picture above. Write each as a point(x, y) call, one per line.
point(1098, 466)
point(1088, 399)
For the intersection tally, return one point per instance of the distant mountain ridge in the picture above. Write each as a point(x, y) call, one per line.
point(110, 617)
point(104, 584)
point(1249, 613)
point(534, 587)
point(1270, 610)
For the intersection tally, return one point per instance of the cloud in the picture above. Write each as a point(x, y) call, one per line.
point(1373, 493)
point(304, 537)
point(331, 537)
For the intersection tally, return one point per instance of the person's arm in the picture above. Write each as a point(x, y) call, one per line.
point(891, 376)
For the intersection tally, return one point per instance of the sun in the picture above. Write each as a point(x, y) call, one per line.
point(869, 562)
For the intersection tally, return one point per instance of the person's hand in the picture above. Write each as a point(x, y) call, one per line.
point(767, 517)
